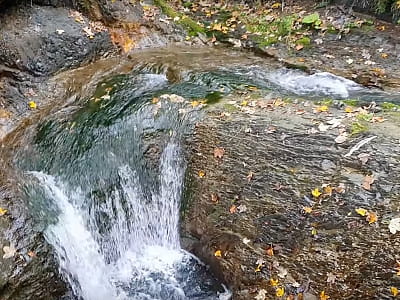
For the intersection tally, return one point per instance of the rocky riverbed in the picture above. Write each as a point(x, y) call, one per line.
point(275, 203)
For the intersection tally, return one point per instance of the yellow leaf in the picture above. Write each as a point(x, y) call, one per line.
point(314, 231)
point(328, 190)
point(195, 103)
point(323, 296)
point(276, 5)
point(280, 291)
point(3, 211)
point(274, 282)
point(218, 253)
point(202, 173)
point(348, 109)
point(128, 44)
point(32, 104)
point(394, 291)
point(322, 108)
point(258, 269)
point(384, 55)
point(155, 100)
point(316, 193)
point(217, 27)
point(361, 211)
point(244, 103)
point(307, 209)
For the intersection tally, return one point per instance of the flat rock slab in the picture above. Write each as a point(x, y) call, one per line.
point(262, 225)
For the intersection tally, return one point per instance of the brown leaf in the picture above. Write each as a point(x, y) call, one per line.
point(214, 198)
point(219, 152)
point(233, 209)
point(368, 181)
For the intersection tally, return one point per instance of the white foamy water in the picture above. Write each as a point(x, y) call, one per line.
point(322, 84)
point(140, 255)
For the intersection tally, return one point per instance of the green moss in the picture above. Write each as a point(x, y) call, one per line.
point(213, 97)
point(327, 102)
point(230, 108)
point(351, 102)
point(189, 24)
point(305, 41)
point(365, 117)
point(357, 128)
point(388, 106)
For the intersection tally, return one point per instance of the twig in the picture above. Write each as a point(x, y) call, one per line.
point(359, 145)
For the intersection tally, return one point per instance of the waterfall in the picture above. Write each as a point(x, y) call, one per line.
point(141, 257)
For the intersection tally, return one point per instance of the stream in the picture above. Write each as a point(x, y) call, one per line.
point(104, 175)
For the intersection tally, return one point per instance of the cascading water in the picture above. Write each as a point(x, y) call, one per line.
point(105, 179)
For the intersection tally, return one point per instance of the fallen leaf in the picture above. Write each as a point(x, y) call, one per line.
point(372, 217)
point(299, 47)
point(368, 181)
point(214, 198)
point(195, 103)
point(219, 152)
point(246, 241)
point(128, 44)
point(328, 190)
point(316, 193)
point(202, 174)
point(379, 119)
point(361, 211)
point(233, 209)
point(322, 108)
point(384, 55)
point(280, 291)
point(250, 176)
point(274, 282)
point(331, 278)
point(32, 104)
point(32, 254)
point(155, 100)
point(307, 209)
point(9, 251)
point(348, 109)
point(89, 32)
point(363, 157)
point(270, 251)
point(3, 211)
point(218, 253)
point(262, 295)
point(394, 225)
point(394, 291)
point(282, 272)
point(349, 61)
point(241, 208)
point(276, 5)
point(341, 138)
point(314, 231)
point(323, 296)
point(244, 103)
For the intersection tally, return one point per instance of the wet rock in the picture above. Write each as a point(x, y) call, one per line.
point(32, 272)
point(45, 40)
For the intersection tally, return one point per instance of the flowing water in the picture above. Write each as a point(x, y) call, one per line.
point(104, 175)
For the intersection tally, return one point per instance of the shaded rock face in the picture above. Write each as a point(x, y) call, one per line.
point(32, 272)
point(44, 40)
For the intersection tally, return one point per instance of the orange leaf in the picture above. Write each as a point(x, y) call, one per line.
point(233, 209)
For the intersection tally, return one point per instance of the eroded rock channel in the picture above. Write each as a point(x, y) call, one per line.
point(185, 173)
